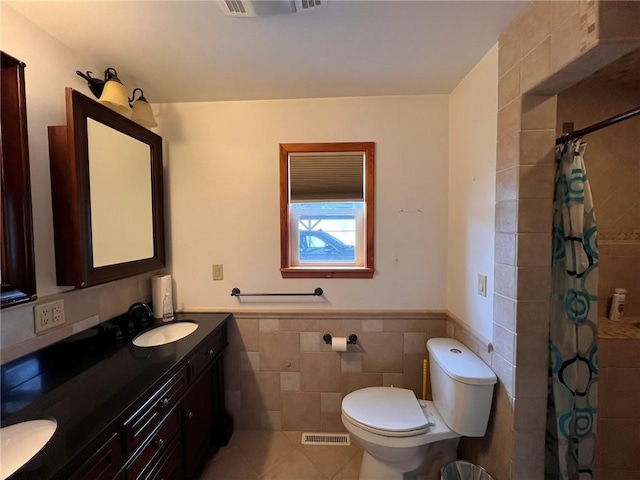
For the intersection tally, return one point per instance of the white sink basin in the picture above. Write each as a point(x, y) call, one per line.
point(164, 334)
point(20, 442)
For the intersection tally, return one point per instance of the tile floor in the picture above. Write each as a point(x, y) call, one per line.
point(278, 455)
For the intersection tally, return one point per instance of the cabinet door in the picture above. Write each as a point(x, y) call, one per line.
point(197, 410)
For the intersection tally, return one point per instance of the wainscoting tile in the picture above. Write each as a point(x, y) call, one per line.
point(301, 411)
point(350, 382)
point(381, 352)
point(280, 351)
point(310, 342)
point(330, 402)
point(393, 380)
point(290, 381)
point(414, 342)
point(350, 362)
point(320, 372)
point(261, 391)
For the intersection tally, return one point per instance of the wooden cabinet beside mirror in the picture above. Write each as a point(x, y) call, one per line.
point(107, 195)
point(18, 277)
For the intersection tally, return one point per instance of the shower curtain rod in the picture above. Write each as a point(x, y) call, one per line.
point(597, 126)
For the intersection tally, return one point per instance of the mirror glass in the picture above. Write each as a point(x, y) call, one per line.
point(120, 196)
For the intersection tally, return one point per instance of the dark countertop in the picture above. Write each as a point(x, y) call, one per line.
point(86, 382)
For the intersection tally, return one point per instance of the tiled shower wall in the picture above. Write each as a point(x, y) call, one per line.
point(548, 48)
point(618, 442)
point(613, 167)
point(280, 375)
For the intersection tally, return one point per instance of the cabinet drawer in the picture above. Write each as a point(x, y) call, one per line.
point(103, 464)
point(170, 466)
point(156, 446)
point(211, 349)
point(147, 418)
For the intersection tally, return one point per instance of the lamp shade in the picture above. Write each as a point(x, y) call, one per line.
point(115, 97)
point(142, 113)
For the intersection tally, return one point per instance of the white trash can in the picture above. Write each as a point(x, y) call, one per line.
point(463, 470)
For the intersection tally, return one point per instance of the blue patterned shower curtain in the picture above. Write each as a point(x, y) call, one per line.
point(573, 380)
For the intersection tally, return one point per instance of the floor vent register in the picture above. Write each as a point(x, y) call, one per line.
point(326, 439)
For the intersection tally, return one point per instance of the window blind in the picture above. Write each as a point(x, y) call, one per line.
point(326, 177)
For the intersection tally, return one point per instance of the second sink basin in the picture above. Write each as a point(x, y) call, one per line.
point(164, 334)
point(21, 441)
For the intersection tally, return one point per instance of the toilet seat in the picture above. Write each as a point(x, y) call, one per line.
point(391, 412)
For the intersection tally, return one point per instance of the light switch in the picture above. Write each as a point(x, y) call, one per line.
point(482, 285)
point(217, 271)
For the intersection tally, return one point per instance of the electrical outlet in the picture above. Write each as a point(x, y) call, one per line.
point(48, 315)
point(217, 271)
point(482, 285)
point(57, 313)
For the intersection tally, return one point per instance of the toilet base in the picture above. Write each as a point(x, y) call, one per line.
point(437, 455)
point(374, 469)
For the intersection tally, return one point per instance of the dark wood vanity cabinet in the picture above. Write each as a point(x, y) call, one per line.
point(197, 415)
point(105, 462)
point(203, 415)
point(171, 432)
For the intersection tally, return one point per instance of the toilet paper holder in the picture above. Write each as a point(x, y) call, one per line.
point(351, 340)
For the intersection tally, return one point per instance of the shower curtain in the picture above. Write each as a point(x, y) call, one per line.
point(573, 376)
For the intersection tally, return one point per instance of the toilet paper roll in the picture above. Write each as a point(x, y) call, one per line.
point(160, 284)
point(339, 344)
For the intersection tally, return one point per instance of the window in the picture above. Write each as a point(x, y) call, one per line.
point(326, 210)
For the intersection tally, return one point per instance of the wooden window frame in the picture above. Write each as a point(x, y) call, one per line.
point(286, 268)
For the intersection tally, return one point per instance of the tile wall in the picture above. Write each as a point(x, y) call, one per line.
point(549, 47)
point(618, 442)
point(83, 309)
point(613, 169)
point(280, 375)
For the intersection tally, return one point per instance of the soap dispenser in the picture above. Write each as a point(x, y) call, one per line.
point(617, 304)
point(167, 308)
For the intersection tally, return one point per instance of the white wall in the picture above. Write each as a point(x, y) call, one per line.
point(473, 110)
point(50, 68)
point(223, 196)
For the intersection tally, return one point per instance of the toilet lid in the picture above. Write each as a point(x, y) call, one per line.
point(389, 411)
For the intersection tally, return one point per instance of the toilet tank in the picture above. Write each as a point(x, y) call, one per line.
point(461, 386)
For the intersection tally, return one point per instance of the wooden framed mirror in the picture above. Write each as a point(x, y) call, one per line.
point(107, 195)
point(16, 229)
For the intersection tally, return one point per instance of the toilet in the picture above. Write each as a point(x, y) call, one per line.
point(398, 431)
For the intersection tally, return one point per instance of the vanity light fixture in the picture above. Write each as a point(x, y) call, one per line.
point(113, 94)
point(95, 84)
point(110, 91)
point(141, 110)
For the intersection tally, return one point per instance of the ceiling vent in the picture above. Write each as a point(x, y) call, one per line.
point(260, 8)
point(302, 5)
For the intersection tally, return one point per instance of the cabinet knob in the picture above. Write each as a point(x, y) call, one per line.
point(190, 415)
point(210, 352)
point(164, 403)
point(160, 442)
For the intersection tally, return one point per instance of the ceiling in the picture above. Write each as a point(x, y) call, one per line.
point(189, 51)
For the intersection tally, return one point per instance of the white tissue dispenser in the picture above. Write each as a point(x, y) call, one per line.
point(162, 297)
